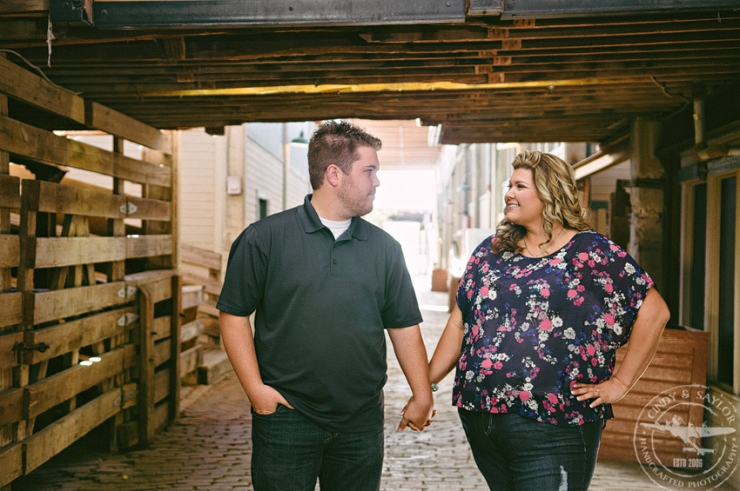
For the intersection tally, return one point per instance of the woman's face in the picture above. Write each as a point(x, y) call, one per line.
point(523, 205)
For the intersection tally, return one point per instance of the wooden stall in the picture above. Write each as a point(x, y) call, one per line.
point(89, 324)
point(681, 361)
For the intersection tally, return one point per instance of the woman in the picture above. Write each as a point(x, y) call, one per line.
point(541, 310)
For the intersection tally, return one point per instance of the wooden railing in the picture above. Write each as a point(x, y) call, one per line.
point(89, 316)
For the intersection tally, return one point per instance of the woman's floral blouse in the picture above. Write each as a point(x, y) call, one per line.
point(536, 326)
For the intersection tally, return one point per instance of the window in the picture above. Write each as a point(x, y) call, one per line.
point(710, 258)
point(262, 208)
point(727, 297)
point(698, 260)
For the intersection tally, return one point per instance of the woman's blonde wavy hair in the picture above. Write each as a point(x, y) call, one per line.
point(556, 186)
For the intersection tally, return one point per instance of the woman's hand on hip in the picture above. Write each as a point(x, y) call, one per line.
point(607, 392)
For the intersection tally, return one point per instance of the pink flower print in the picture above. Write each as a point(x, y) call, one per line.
point(498, 365)
point(591, 349)
point(614, 247)
point(525, 395)
point(487, 364)
point(484, 291)
point(583, 256)
point(609, 288)
point(546, 325)
point(577, 302)
point(609, 319)
point(469, 294)
point(572, 294)
point(545, 292)
point(552, 398)
point(555, 261)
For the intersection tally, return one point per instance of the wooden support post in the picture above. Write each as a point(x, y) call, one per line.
point(175, 346)
point(647, 199)
point(10, 450)
point(160, 227)
point(117, 227)
point(145, 399)
point(119, 437)
point(5, 276)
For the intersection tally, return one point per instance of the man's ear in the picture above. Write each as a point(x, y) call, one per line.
point(332, 175)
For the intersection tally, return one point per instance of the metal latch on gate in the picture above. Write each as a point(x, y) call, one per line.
point(41, 347)
point(126, 291)
point(127, 319)
point(128, 208)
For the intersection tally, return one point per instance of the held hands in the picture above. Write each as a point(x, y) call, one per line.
point(265, 400)
point(606, 392)
point(417, 414)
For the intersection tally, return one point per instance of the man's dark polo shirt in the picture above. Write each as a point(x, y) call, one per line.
point(322, 306)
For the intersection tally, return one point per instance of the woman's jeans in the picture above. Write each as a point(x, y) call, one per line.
point(290, 452)
point(518, 453)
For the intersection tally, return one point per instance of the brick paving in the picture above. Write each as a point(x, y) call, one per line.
point(209, 447)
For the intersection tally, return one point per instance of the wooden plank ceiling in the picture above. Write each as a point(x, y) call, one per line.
point(490, 77)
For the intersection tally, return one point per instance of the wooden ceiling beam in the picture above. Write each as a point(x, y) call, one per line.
point(139, 87)
point(17, 7)
point(532, 31)
point(207, 70)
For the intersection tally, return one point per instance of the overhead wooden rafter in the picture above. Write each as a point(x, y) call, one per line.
point(485, 70)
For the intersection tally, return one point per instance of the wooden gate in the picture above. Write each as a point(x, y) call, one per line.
point(89, 294)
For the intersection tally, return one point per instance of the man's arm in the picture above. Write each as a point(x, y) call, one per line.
point(236, 334)
point(412, 356)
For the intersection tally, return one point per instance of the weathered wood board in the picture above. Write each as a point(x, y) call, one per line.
point(681, 360)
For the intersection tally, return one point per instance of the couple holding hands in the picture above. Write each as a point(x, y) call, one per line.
point(540, 311)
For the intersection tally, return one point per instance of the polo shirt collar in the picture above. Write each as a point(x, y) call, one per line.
point(312, 223)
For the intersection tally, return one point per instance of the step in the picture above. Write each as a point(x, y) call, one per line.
point(215, 365)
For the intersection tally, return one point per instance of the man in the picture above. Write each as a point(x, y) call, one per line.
point(325, 285)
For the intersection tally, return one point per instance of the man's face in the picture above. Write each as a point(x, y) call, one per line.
point(357, 189)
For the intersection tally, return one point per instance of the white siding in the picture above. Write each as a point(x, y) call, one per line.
point(202, 161)
point(298, 188)
point(264, 179)
point(604, 183)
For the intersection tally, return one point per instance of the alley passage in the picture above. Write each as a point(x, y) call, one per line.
point(209, 447)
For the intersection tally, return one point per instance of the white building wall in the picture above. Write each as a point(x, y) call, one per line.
point(202, 162)
point(264, 180)
point(298, 188)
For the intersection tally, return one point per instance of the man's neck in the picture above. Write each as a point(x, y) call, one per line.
point(326, 208)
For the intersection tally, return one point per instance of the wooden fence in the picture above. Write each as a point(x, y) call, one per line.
point(89, 323)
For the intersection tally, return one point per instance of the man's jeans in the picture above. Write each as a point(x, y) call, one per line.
point(518, 453)
point(290, 452)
